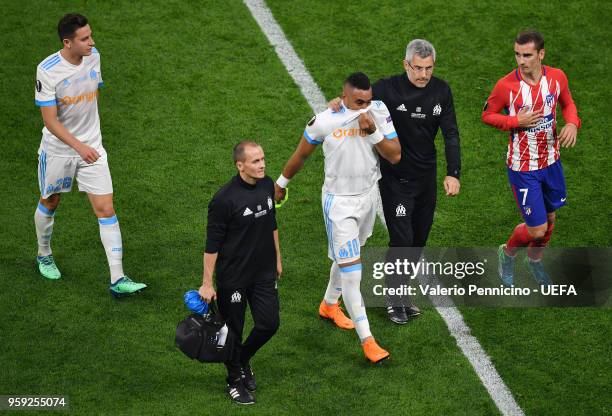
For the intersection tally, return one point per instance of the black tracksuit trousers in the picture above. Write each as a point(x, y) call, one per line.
point(262, 298)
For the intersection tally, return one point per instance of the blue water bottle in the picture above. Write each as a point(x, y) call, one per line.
point(195, 303)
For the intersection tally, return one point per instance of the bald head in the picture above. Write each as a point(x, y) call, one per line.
point(239, 152)
point(250, 161)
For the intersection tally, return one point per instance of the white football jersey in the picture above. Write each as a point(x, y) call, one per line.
point(74, 90)
point(351, 162)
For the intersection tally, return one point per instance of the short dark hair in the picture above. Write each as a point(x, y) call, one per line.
point(358, 80)
point(69, 24)
point(238, 152)
point(530, 35)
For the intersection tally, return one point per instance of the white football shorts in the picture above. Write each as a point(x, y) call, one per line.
point(56, 174)
point(349, 221)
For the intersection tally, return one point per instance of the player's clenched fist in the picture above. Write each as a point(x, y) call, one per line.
point(279, 193)
point(366, 123)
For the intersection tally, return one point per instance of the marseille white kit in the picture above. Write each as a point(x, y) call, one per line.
point(352, 170)
point(73, 89)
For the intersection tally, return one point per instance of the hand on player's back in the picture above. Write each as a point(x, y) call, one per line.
point(528, 118)
point(335, 104)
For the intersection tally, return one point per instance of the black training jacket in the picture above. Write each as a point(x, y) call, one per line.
point(241, 222)
point(417, 113)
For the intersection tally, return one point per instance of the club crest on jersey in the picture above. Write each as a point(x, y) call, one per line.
point(549, 99)
point(400, 211)
point(236, 297)
point(527, 210)
point(437, 110)
point(269, 202)
point(66, 82)
point(93, 74)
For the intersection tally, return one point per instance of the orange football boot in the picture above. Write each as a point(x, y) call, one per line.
point(373, 352)
point(334, 312)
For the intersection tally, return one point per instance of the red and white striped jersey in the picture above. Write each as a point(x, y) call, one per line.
point(537, 147)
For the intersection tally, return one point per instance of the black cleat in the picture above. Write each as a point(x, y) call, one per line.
point(412, 311)
point(238, 393)
point(397, 314)
point(248, 378)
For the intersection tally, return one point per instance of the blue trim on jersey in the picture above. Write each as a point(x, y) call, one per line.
point(108, 221)
point(51, 63)
point(351, 268)
point(49, 59)
point(94, 50)
point(310, 139)
point(391, 136)
point(100, 84)
point(46, 103)
point(518, 78)
point(45, 210)
point(53, 58)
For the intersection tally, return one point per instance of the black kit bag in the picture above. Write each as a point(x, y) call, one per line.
point(198, 337)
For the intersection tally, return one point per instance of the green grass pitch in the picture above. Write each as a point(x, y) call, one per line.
point(184, 81)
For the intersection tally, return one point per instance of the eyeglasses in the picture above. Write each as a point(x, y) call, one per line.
point(427, 69)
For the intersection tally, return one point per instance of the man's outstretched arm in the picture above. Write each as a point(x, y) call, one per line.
point(293, 166)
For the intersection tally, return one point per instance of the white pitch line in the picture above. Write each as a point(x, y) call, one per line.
point(287, 55)
point(476, 355)
point(469, 345)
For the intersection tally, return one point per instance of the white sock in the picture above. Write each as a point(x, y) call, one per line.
point(110, 234)
point(43, 219)
point(351, 293)
point(334, 287)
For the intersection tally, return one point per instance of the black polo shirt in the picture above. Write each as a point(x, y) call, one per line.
point(241, 222)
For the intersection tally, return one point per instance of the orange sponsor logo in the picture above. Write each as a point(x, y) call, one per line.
point(88, 97)
point(340, 133)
